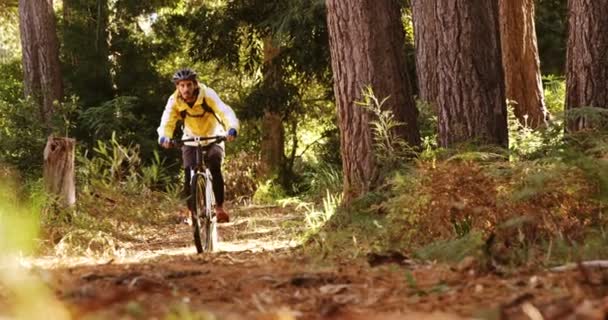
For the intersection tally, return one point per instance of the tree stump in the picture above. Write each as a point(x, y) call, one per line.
point(59, 169)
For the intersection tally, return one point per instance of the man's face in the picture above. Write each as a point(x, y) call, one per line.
point(186, 89)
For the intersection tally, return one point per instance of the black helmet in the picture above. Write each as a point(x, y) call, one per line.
point(184, 74)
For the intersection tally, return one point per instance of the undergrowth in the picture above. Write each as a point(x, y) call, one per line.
point(120, 200)
point(540, 203)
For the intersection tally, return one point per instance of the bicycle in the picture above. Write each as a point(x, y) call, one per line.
point(201, 201)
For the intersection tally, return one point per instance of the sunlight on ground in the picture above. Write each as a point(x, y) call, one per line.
point(134, 256)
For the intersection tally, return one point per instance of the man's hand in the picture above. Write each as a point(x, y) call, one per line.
point(164, 142)
point(231, 135)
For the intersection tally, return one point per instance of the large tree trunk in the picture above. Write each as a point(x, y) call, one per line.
point(425, 36)
point(521, 63)
point(587, 61)
point(42, 74)
point(273, 131)
point(366, 44)
point(471, 97)
point(29, 52)
point(59, 169)
point(273, 144)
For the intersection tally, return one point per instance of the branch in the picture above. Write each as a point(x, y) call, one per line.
point(599, 264)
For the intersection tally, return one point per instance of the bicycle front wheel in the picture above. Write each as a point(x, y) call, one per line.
point(198, 210)
point(211, 220)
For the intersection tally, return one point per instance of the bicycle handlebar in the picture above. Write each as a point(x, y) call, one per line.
point(199, 139)
point(180, 142)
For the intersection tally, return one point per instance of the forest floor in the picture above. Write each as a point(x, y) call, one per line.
point(261, 273)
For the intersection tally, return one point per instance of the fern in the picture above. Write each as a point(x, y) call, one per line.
point(390, 149)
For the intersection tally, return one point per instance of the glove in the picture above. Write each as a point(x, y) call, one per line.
point(232, 132)
point(164, 142)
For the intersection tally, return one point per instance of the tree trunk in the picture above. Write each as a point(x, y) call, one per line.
point(587, 61)
point(59, 169)
point(42, 74)
point(425, 37)
point(471, 97)
point(367, 48)
point(273, 131)
point(29, 52)
point(273, 144)
point(521, 63)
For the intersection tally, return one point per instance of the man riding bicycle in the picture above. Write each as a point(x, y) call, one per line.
point(203, 114)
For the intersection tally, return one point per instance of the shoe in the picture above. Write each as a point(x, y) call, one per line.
point(222, 216)
point(183, 217)
point(187, 217)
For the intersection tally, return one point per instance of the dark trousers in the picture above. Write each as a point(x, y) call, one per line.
point(213, 159)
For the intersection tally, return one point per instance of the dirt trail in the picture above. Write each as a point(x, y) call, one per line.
point(258, 274)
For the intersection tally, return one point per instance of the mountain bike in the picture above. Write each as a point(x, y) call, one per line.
point(201, 201)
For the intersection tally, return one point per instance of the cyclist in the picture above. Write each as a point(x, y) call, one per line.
point(203, 114)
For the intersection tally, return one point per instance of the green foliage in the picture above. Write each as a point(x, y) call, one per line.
point(63, 121)
point(427, 122)
point(18, 220)
point(316, 219)
point(86, 72)
point(21, 135)
point(11, 84)
point(551, 28)
point(113, 164)
point(297, 27)
point(10, 45)
point(184, 312)
point(269, 192)
point(526, 143)
point(391, 151)
point(477, 156)
point(523, 140)
point(555, 95)
point(453, 250)
point(323, 176)
point(241, 175)
point(119, 198)
point(405, 205)
point(18, 230)
point(155, 175)
point(595, 117)
point(114, 118)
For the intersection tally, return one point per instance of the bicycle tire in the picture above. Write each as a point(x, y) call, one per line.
point(211, 220)
point(198, 207)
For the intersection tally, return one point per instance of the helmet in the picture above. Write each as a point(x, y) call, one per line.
point(184, 74)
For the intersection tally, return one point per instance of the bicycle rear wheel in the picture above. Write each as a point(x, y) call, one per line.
point(211, 220)
point(198, 211)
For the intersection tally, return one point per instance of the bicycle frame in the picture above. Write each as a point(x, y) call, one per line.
point(202, 197)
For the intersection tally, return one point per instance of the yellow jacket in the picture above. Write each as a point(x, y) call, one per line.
point(198, 122)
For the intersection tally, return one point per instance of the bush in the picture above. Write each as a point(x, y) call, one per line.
point(241, 171)
point(11, 83)
point(22, 138)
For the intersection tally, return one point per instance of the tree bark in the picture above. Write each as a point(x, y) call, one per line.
point(273, 144)
point(367, 49)
point(425, 37)
point(587, 59)
point(59, 169)
point(273, 131)
point(521, 62)
point(42, 75)
point(471, 97)
point(29, 53)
